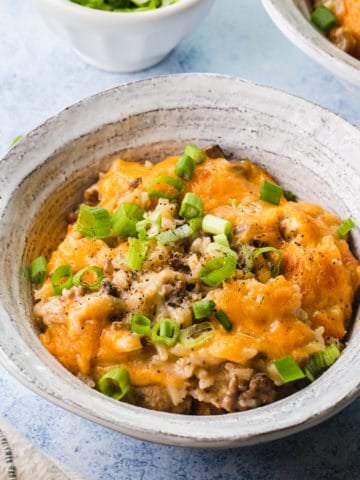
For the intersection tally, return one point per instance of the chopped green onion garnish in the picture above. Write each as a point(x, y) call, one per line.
point(172, 182)
point(233, 202)
point(165, 331)
point(223, 319)
point(171, 236)
point(185, 167)
point(290, 196)
point(275, 269)
point(345, 227)
point(149, 227)
point(217, 270)
point(219, 247)
point(196, 224)
point(222, 239)
point(115, 383)
point(247, 258)
point(94, 222)
point(79, 282)
point(320, 361)
point(194, 335)
point(216, 225)
point(270, 192)
point(136, 253)
point(191, 206)
point(38, 270)
point(288, 369)
point(62, 279)
point(197, 155)
point(125, 218)
point(203, 308)
point(16, 140)
point(323, 18)
point(140, 324)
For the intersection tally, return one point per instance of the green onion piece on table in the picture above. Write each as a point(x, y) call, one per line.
point(203, 308)
point(345, 227)
point(217, 270)
point(94, 222)
point(216, 225)
point(270, 192)
point(191, 207)
point(78, 280)
point(165, 331)
point(195, 335)
point(223, 319)
point(136, 253)
point(171, 236)
point(38, 270)
point(140, 324)
point(16, 140)
point(275, 269)
point(62, 279)
point(115, 383)
point(185, 167)
point(125, 219)
point(173, 184)
point(288, 369)
point(197, 155)
point(323, 18)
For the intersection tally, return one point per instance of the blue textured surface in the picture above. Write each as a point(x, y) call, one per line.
point(39, 75)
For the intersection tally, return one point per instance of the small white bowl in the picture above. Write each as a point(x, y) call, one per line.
point(123, 41)
point(42, 179)
point(292, 18)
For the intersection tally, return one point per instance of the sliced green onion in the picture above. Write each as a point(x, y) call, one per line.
point(165, 331)
point(197, 155)
point(185, 167)
point(320, 361)
point(196, 224)
point(323, 18)
point(345, 227)
point(247, 258)
point(194, 335)
point(270, 192)
point(288, 369)
point(275, 269)
point(149, 227)
point(173, 182)
point(171, 236)
point(140, 324)
point(62, 279)
point(191, 207)
point(16, 140)
point(219, 247)
point(115, 383)
point(94, 222)
point(203, 309)
point(233, 202)
point(125, 218)
point(38, 270)
point(217, 270)
point(290, 196)
point(222, 239)
point(78, 282)
point(136, 253)
point(223, 319)
point(216, 225)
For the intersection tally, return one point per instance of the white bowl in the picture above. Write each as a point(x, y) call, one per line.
point(309, 150)
point(118, 41)
point(292, 18)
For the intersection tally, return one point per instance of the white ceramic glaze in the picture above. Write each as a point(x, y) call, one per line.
point(292, 18)
point(118, 41)
point(309, 150)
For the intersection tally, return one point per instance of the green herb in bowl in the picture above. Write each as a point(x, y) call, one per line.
point(124, 5)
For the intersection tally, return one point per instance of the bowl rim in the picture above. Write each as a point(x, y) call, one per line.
point(129, 17)
point(175, 429)
point(294, 25)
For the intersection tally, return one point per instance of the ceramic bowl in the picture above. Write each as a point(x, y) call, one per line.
point(292, 18)
point(118, 41)
point(309, 150)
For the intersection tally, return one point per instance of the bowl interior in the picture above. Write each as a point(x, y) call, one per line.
point(43, 179)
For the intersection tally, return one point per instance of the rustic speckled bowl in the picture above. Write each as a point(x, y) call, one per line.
point(292, 18)
point(309, 150)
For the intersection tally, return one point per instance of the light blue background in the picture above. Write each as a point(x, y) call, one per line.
point(40, 75)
